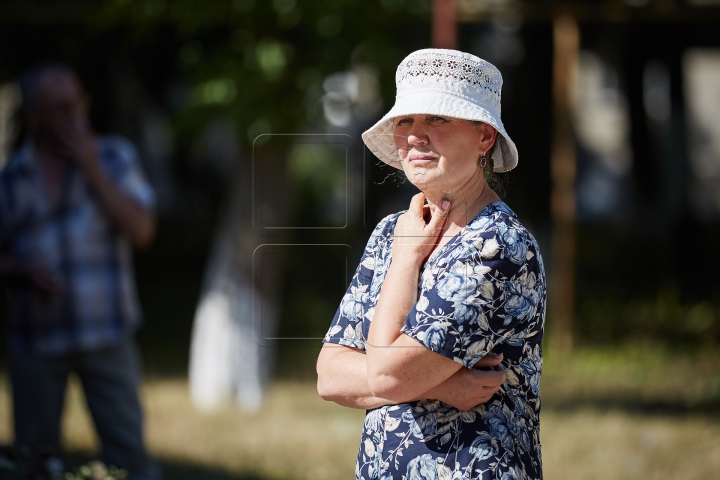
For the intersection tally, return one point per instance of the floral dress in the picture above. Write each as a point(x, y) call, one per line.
point(483, 291)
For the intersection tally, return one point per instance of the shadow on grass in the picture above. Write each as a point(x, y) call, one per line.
point(650, 407)
point(182, 471)
point(16, 466)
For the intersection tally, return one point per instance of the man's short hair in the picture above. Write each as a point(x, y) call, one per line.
point(29, 80)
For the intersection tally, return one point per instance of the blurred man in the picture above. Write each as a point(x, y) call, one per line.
point(71, 203)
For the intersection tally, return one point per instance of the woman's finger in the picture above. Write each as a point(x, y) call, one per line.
point(490, 378)
point(438, 217)
point(416, 204)
point(489, 360)
point(427, 213)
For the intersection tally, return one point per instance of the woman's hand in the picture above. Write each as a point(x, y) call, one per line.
point(417, 231)
point(470, 387)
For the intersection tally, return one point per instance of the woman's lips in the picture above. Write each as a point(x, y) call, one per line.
point(420, 158)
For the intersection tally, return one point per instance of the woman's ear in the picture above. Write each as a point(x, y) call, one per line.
point(489, 137)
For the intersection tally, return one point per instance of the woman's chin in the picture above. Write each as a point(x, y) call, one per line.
point(421, 174)
point(431, 189)
point(420, 180)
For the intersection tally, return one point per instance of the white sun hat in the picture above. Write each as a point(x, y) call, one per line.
point(447, 83)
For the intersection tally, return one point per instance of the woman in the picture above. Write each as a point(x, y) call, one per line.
point(442, 290)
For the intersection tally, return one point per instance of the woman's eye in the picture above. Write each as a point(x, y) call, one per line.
point(404, 122)
point(436, 119)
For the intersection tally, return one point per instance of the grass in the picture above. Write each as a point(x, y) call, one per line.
point(632, 412)
point(592, 444)
point(638, 377)
point(637, 411)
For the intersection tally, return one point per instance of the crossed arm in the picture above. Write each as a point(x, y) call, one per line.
point(343, 379)
point(395, 367)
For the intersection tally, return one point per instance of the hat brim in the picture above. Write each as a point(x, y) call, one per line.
point(380, 140)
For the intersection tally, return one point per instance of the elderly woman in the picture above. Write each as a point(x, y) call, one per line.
point(439, 335)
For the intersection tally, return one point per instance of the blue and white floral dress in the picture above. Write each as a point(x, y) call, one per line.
point(483, 291)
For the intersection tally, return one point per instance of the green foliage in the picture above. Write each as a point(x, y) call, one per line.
point(313, 167)
point(632, 286)
point(664, 318)
point(261, 63)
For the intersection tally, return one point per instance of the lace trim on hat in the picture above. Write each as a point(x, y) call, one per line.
point(456, 69)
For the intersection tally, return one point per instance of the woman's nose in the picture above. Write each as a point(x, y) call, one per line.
point(417, 136)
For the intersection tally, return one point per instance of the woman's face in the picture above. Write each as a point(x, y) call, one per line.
point(440, 152)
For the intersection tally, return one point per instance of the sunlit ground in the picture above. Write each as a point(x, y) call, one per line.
point(636, 412)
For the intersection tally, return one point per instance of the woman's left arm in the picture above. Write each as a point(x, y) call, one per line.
point(397, 365)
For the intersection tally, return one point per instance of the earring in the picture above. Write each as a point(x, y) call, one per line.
point(482, 161)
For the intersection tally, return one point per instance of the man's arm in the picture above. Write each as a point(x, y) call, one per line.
point(131, 218)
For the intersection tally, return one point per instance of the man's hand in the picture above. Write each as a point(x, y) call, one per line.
point(80, 145)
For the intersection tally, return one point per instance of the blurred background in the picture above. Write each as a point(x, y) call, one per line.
point(247, 117)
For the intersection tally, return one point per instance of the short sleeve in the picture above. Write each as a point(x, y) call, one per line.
point(358, 303)
point(122, 164)
point(484, 292)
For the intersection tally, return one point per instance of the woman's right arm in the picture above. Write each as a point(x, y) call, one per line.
point(342, 378)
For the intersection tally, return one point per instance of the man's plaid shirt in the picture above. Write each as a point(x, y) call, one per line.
point(77, 241)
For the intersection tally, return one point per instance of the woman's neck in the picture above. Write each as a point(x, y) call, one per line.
point(465, 202)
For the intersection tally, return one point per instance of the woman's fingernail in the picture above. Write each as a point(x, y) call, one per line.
point(497, 355)
point(445, 205)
